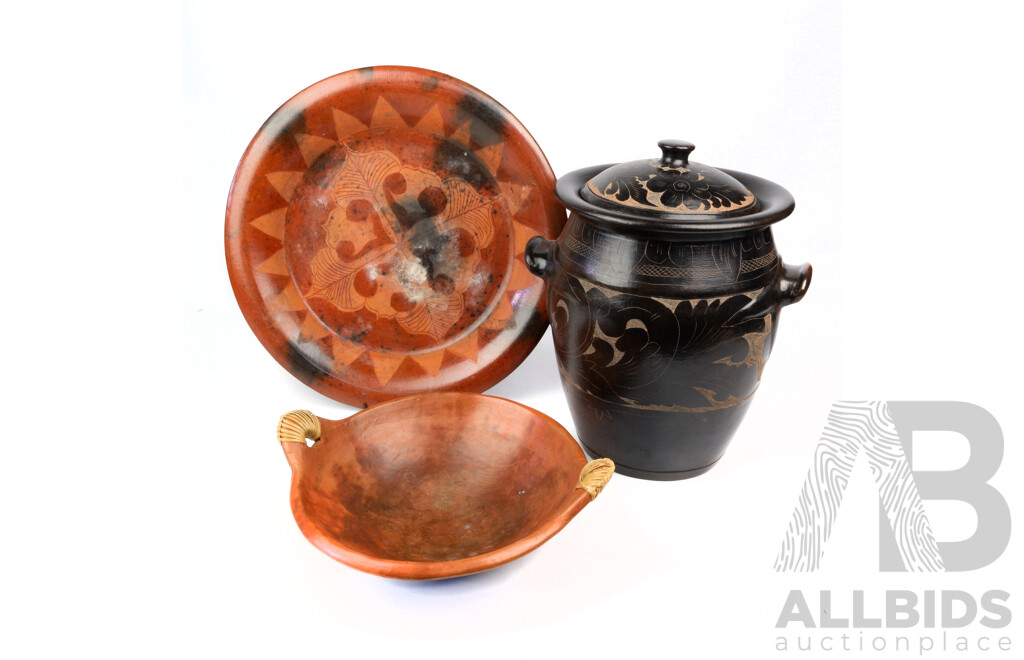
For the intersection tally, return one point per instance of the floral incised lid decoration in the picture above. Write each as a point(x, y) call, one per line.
point(670, 185)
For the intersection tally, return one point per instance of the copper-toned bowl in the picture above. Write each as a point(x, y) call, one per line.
point(435, 485)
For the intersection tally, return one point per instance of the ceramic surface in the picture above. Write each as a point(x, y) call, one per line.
point(375, 233)
point(671, 184)
point(662, 326)
point(436, 485)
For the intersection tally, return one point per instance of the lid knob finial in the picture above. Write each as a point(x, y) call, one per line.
point(675, 153)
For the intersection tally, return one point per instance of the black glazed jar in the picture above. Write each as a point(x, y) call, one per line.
point(664, 292)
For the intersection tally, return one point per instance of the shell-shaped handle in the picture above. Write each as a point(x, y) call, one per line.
point(297, 426)
point(595, 475)
point(540, 255)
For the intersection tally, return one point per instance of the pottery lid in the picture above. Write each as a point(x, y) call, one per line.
point(670, 184)
point(673, 193)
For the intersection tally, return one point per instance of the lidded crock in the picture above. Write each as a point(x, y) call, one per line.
point(664, 293)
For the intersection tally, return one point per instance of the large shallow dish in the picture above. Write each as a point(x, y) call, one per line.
point(437, 485)
point(375, 234)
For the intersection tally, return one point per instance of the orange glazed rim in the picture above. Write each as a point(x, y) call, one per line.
point(375, 231)
point(296, 427)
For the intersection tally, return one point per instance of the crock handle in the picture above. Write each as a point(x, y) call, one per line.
point(595, 475)
point(789, 287)
point(540, 255)
point(292, 431)
point(793, 282)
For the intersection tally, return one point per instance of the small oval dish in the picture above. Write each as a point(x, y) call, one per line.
point(435, 485)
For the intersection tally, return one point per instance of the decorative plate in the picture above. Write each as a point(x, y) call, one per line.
point(375, 234)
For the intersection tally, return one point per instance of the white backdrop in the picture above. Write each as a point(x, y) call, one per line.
point(145, 493)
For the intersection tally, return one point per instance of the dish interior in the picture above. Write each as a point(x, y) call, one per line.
point(438, 479)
